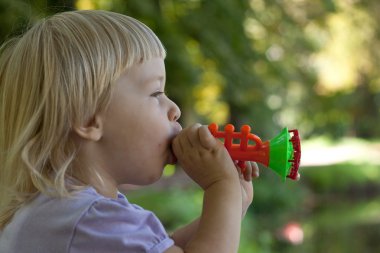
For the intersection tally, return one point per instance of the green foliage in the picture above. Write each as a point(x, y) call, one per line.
point(342, 177)
point(173, 206)
point(276, 63)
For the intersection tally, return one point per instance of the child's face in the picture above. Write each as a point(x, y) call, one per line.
point(139, 125)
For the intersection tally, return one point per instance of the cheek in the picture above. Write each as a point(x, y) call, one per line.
point(144, 142)
point(144, 135)
point(153, 142)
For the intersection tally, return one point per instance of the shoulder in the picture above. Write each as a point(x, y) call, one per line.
point(115, 225)
point(47, 223)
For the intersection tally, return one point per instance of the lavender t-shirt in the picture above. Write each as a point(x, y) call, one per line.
point(87, 222)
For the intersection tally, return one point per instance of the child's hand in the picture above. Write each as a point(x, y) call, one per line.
point(251, 172)
point(203, 157)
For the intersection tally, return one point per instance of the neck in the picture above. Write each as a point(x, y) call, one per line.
point(102, 183)
point(88, 169)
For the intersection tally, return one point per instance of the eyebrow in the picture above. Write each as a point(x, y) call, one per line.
point(161, 78)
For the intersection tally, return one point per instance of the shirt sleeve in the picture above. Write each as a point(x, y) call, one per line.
point(114, 227)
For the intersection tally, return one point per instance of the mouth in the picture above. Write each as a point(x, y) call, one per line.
point(172, 157)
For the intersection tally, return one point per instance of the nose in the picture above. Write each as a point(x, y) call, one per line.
point(174, 112)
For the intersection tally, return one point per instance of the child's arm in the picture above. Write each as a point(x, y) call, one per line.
point(184, 234)
point(207, 162)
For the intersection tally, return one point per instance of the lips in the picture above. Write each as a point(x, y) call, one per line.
point(177, 129)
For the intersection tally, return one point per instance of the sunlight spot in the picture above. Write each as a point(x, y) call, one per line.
point(95, 4)
point(207, 93)
point(274, 102)
point(84, 5)
point(344, 54)
point(320, 153)
point(169, 170)
point(257, 5)
point(254, 29)
point(274, 53)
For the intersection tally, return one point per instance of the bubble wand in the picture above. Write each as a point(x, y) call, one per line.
point(282, 154)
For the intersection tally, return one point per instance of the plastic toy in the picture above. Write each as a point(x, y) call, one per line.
point(282, 154)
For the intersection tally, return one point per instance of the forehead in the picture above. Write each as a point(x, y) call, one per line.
point(152, 69)
point(143, 73)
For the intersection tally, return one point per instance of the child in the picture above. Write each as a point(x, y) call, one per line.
point(82, 111)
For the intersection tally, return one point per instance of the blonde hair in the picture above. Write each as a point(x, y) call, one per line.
point(59, 73)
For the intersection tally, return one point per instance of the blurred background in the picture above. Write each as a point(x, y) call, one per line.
point(311, 65)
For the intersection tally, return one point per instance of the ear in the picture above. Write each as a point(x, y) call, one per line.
point(92, 130)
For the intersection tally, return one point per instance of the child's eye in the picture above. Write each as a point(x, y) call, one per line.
point(158, 94)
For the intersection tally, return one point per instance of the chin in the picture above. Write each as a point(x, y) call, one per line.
point(152, 178)
point(142, 181)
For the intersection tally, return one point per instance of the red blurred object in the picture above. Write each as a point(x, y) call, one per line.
point(293, 233)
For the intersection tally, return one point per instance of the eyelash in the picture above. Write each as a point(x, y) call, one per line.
point(158, 93)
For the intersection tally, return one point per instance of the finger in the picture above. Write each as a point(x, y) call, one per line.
point(239, 169)
point(255, 170)
point(181, 142)
point(176, 145)
point(192, 135)
point(207, 140)
point(248, 172)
